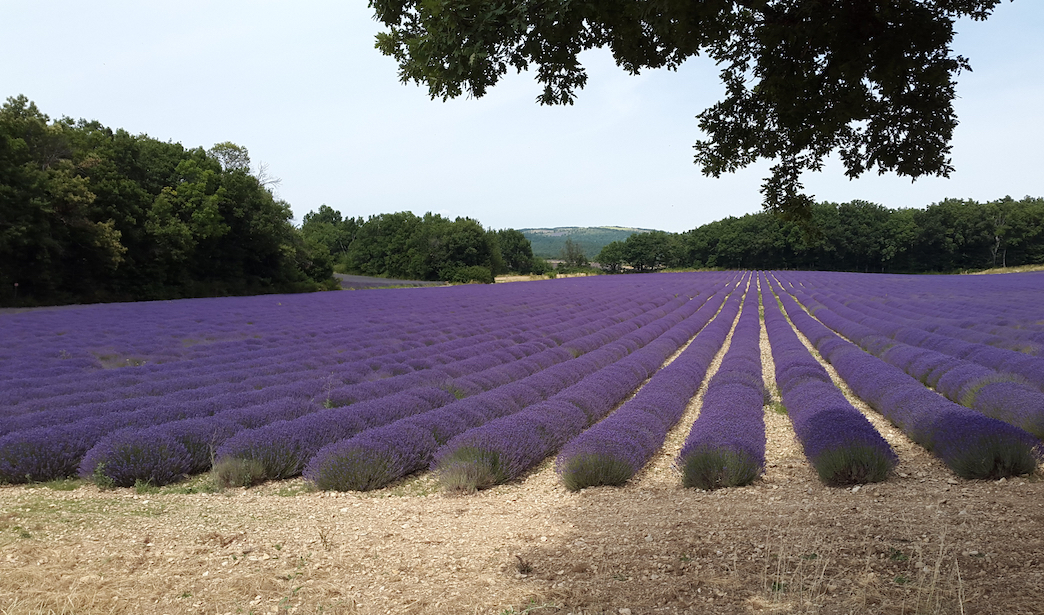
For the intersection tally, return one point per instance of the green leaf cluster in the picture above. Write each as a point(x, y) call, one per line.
point(946, 237)
point(572, 256)
point(642, 252)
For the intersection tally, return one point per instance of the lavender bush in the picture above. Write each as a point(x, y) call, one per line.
point(344, 465)
point(837, 439)
point(504, 449)
point(214, 372)
point(126, 458)
point(726, 445)
point(972, 445)
point(1021, 404)
point(256, 380)
point(614, 450)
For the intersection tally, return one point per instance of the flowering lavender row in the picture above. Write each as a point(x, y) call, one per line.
point(40, 453)
point(615, 449)
point(207, 381)
point(373, 458)
point(280, 447)
point(837, 439)
point(1000, 311)
point(59, 450)
point(284, 447)
point(998, 355)
point(358, 339)
point(252, 363)
point(996, 394)
point(972, 445)
point(726, 445)
point(378, 456)
point(206, 437)
point(300, 383)
point(995, 304)
point(1001, 338)
point(159, 356)
point(505, 448)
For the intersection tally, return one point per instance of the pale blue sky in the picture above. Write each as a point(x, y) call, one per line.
point(301, 86)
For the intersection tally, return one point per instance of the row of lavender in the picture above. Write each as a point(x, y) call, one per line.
point(497, 382)
point(295, 440)
point(970, 443)
point(1009, 345)
point(726, 444)
point(995, 321)
point(998, 310)
point(837, 439)
point(181, 434)
point(54, 450)
point(619, 447)
point(997, 382)
point(278, 341)
point(511, 415)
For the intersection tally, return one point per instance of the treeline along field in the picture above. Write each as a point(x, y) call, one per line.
point(91, 214)
point(947, 237)
point(429, 247)
point(482, 383)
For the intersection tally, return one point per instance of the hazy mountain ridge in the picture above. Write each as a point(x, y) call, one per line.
point(548, 242)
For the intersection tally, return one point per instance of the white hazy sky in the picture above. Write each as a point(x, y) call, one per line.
point(301, 86)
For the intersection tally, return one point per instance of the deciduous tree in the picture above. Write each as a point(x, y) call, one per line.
point(516, 251)
point(231, 156)
point(572, 255)
point(612, 257)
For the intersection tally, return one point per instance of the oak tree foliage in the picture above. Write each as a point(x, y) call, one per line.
point(872, 80)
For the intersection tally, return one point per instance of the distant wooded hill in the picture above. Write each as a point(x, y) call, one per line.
point(548, 242)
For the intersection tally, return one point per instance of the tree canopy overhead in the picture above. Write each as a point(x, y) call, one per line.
point(873, 80)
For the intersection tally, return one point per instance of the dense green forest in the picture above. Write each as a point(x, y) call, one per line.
point(946, 237)
point(404, 245)
point(92, 214)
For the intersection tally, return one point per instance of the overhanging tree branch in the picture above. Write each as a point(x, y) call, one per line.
point(873, 80)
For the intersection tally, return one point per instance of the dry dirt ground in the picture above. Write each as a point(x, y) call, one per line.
point(922, 542)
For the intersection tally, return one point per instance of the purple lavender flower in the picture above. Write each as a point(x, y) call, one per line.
point(615, 449)
point(837, 439)
point(127, 457)
point(1022, 405)
point(972, 445)
point(505, 448)
point(726, 444)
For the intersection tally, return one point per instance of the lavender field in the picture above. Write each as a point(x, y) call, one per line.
point(481, 384)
